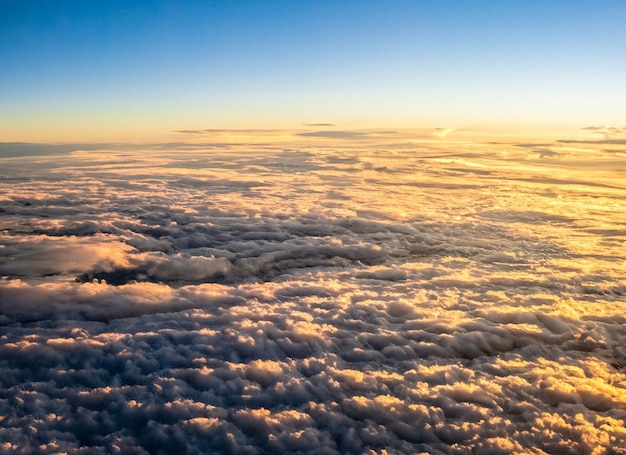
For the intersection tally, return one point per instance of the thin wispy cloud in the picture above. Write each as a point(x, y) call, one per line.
point(594, 141)
point(334, 134)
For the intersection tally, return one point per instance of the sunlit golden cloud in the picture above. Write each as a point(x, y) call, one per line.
point(417, 289)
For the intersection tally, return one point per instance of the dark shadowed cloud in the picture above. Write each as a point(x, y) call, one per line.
point(18, 149)
point(334, 134)
point(593, 141)
point(230, 131)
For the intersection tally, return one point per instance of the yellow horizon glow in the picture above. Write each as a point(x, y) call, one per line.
point(104, 129)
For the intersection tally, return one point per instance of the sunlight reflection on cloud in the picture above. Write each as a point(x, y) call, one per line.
point(316, 300)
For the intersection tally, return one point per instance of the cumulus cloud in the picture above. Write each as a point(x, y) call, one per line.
point(44, 255)
point(313, 301)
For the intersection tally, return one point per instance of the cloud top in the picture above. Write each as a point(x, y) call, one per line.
point(435, 299)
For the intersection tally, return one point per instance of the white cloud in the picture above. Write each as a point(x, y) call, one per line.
point(351, 303)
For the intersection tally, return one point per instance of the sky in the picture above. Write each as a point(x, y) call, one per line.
point(133, 70)
point(312, 227)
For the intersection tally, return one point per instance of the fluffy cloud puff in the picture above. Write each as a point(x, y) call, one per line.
point(312, 301)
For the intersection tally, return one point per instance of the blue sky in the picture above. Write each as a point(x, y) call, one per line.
point(108, 67)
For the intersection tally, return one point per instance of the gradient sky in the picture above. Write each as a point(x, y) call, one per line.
point(119, 70)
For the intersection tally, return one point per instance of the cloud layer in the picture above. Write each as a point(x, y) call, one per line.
point(450, 298)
